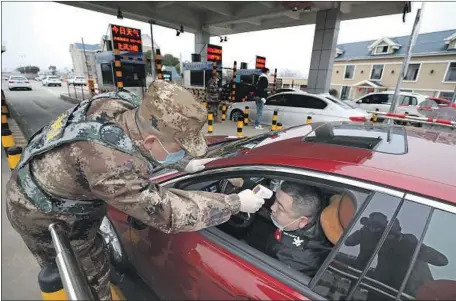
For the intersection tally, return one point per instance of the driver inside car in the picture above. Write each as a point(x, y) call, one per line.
point(299, 240)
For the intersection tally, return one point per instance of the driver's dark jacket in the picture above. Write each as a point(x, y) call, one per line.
point(303, 250)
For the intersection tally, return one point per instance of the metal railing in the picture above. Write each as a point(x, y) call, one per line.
point(73, 276)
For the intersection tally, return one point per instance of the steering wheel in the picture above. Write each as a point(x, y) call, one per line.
point(242, 219)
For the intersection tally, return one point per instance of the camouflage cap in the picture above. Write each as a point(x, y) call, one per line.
point(174, 112)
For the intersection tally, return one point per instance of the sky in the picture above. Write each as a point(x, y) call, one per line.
point(39, 33)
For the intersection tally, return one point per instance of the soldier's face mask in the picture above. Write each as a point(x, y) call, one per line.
point(171, 158)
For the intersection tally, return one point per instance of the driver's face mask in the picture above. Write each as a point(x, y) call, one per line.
point(279, 226)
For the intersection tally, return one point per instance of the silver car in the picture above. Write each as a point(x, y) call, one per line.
point(295, 106)
point(18, 82)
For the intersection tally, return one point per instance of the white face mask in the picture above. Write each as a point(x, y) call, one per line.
point(279, 226)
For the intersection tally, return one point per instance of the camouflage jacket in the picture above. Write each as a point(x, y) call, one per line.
point(86, 170)
point(212, 91)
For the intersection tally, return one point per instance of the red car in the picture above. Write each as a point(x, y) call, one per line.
point(392, 231)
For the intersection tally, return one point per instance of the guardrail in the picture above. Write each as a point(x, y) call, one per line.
point(73, 276)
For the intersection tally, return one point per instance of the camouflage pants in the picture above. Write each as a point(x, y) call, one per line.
point(89, 247)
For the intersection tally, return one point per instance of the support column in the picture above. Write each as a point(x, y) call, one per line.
point(201, 41)
point(324, 50)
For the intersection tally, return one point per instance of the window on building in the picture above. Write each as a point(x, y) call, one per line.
point(377, 72)
point(349, 72)
point(412, 72)
point(345, 93)
point(381, 49)
point(450, 76)
point(446, 95)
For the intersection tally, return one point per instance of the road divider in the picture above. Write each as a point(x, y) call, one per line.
point(14, 156)
point(210, 123)
point(275, 117)
point(7, 139)
point(240, 125)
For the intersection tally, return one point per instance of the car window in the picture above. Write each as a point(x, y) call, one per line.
point(53, 77)
point(383, 258)
point(377, 99)
point(18, 78)
point(277, 100)
point(307, 102)
point(339, 102)
point(408, 101)
point(435, 268)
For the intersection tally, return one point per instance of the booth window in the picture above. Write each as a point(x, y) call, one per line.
point(133, 75)
point(106, 74)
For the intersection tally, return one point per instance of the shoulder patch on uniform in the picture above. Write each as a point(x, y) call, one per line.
point(57, 127)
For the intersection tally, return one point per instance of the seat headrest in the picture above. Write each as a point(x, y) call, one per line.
point(336, 217)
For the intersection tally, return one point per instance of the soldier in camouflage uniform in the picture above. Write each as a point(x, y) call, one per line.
point(103, 151)
point(212, 97)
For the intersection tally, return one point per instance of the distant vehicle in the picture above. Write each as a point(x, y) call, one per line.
point(77, 81)
point(19, 82)
point(381, 101)
point(52, 80)
point(37, 78)
point(293, 108)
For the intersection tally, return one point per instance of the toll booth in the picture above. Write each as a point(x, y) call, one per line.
point(132, 67)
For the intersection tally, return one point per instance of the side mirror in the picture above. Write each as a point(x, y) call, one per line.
point(359, 101)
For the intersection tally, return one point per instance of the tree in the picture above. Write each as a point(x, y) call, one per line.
point(148, 55)
point(53, 69)
point(28, 69)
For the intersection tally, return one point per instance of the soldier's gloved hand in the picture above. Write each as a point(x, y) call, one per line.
point(250, 203)
point(196, 165)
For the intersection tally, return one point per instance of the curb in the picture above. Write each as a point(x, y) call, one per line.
point(19, 137)
point(69, 99)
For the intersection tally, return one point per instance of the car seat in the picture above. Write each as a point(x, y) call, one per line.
point(336, 217)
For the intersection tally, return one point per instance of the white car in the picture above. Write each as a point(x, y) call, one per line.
point(16, 82)
point(51, 80)
point(294, 106)
point(77, 81)
point(407, 103)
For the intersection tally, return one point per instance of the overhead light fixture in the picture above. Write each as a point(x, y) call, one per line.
point(226, 40)
point(221, 40)
point(182, 29)
point(177, 32)
point(119, 14)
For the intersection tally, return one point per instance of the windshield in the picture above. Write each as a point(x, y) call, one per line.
point(18, 78)
point(53, 77)
point(339, 102)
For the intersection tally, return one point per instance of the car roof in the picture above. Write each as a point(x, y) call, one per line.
point(400, 93)
point(406, 158)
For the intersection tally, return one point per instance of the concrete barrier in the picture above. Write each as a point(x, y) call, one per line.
point(69, 99)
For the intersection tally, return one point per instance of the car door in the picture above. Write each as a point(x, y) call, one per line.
point(274, 103)
point(375, 102)
point(399, 249)
point(408, 105)
point(212, 265)
point(300, 107)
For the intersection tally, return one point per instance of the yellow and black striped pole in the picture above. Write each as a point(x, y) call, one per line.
point(14, 156)
point(278, 126)
point(240, 125)
point(210, 123)
point(5, 121)
point(7, 139)
point(233, 87)
point(246, 116)
point(309, 119)
point(223, 112)
point(4, 107)
point(118, 69)
point(158, 64)
point(275, 117)
point(275, 81)
point(374, 116)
